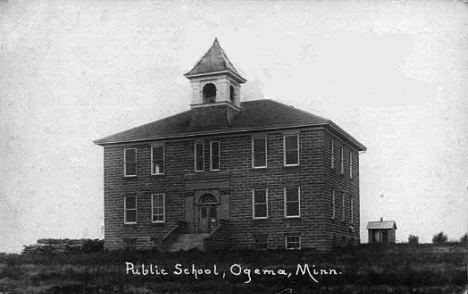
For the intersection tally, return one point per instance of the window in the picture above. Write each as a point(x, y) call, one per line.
point(214, 155)
point(157, 160)
point(351, 209)
point(350, 164)
point(342, 160)
point(292, 242)
point(260, 241)
point(260, 203)
point(292, 201)
point(158, 210)
point(332, 158)
point(291, 150)
point(130, 162)
point(232, 94)
point(333, 201)
point(130, 208)
point(130, 244)
point(209, 93)
point(199, 156)
point(343, 206)
point(259, 152)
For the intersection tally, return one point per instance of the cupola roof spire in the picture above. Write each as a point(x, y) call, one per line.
point(215, 61)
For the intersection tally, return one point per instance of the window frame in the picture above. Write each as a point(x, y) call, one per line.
point(333, 216)
point(128, 209)
point(293, 236)
point(195, 156)
point(342, 160)
point(254, 203)
point(351, 209)
point(163, 208)
point(125, 162)
point(163, 159)
point(211, 155)
point(286, 203)
point(343, 206)
point(350, 164)
point(297, 150)
point(253, 151)
point(332, 154)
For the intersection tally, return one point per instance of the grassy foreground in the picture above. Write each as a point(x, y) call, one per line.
point(394, 269)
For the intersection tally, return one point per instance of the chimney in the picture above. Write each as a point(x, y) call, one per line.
point(381, 219)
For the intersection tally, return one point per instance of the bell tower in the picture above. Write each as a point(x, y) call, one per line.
point(215, 81)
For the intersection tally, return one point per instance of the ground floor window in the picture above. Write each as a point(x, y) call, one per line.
point(293, 242)
point(260, 241)
point(130, 244)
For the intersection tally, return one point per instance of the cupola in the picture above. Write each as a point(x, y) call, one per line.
point(215, 80)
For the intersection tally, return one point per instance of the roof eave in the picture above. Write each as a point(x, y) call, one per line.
point(236, 76)
point(101, 142)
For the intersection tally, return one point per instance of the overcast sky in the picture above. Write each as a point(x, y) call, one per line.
point(393, 74)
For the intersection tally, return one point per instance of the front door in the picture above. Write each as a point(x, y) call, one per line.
point(208, 219)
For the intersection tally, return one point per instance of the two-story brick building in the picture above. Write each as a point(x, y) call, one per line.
point(231, 174)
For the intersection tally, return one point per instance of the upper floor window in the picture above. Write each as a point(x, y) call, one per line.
point(342, 159)
point(332, 158)
point(130, 162)
point(209, 93)
point(350, 164)
point(259, 152)
point(292, 201)
point(351, 209)
point(199, 156)
point(214, 155)
point(260, 203)
point(157, 160)
point(130, 209)
point(343, 211)
point(333, 202)
point(158, 209)
point(291, 149)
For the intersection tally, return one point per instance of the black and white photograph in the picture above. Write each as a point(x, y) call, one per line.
point(265, 147)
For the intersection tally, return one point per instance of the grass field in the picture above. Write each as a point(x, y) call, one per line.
point(401, 268)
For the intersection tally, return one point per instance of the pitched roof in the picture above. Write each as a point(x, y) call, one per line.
point(381, 225)
point(215, 60)
point(256, 115)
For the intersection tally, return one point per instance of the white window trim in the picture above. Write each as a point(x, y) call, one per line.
point(351, 209)
point(125, 162)
point(342, 159)
point(286, 243)
point(299, 205)
point(195, 156)
point(253, 204)
point(284, 149)
point(343, 209)
point(125, 209)
point(266, 152)
point(333, 205)
point(211, 155)
point(350, 164)
point(164, 208)
point(332, 160)
point(164, 158)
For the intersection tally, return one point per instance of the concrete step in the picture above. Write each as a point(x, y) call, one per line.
point(188, 241)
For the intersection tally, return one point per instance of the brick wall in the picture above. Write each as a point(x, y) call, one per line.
point(234, 183)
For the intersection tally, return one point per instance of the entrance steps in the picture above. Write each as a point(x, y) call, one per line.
point(188, 241)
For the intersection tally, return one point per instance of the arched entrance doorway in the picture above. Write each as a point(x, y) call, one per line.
point(207, 215)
